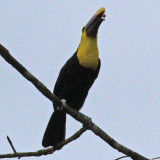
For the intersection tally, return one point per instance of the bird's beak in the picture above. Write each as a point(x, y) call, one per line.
point(94, 23)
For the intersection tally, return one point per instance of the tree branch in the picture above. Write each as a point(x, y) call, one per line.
point(155, 158)
point(49, 150)
point(11, 144)
point(75, 114)
point(121, 157)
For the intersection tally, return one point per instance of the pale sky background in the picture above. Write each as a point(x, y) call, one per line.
point(125, 99)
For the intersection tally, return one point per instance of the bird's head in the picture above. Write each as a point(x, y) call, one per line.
point(87, 53)
point(91, 28)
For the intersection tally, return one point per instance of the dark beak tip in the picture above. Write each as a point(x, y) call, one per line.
point(93, 24)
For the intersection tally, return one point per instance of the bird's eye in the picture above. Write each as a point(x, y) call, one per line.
point(83, 29)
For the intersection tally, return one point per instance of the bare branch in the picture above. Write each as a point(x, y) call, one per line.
point(75, 114)
point(11, 144)
point(28, 154)
point(155, 158)
point(72, 138)
point(121, 157)
point(49, 150)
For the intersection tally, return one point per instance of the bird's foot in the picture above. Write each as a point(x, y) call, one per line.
point(89, 123)
point(61, 107)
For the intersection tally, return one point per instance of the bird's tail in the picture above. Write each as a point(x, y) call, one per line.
point(55, 131)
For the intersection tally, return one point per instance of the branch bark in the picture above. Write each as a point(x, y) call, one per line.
point(155, 158)
point(75, 114)
point(121, 157)
point(49, 150)
point(11, 144)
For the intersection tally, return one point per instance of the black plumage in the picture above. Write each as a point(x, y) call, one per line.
point(73, 84)
point(75, 79)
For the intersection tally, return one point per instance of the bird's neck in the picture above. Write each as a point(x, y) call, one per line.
point(88, 54)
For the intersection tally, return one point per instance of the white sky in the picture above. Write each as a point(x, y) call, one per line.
point(125, 99)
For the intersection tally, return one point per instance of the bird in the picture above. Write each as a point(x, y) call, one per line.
point(75, 79)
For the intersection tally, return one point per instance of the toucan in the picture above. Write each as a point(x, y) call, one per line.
point(75, 79)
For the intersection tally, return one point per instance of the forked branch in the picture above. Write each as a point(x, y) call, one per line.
point(49, 150)
point(75, 114)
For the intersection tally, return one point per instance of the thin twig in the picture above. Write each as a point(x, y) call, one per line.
point(72, 138)
point(75, 114)
point(155, 158)
point(121, 157)
point(11, 144)
point(49, 150)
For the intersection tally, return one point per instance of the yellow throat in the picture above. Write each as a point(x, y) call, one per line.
point(88, 54)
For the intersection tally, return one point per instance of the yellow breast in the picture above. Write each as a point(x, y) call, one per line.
point(88, 54)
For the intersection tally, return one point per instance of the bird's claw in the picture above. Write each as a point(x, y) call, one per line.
point(61, 107)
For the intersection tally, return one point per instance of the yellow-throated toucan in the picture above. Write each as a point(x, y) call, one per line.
point(75, 79)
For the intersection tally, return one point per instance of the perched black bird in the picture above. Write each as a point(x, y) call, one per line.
point(75, 79)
